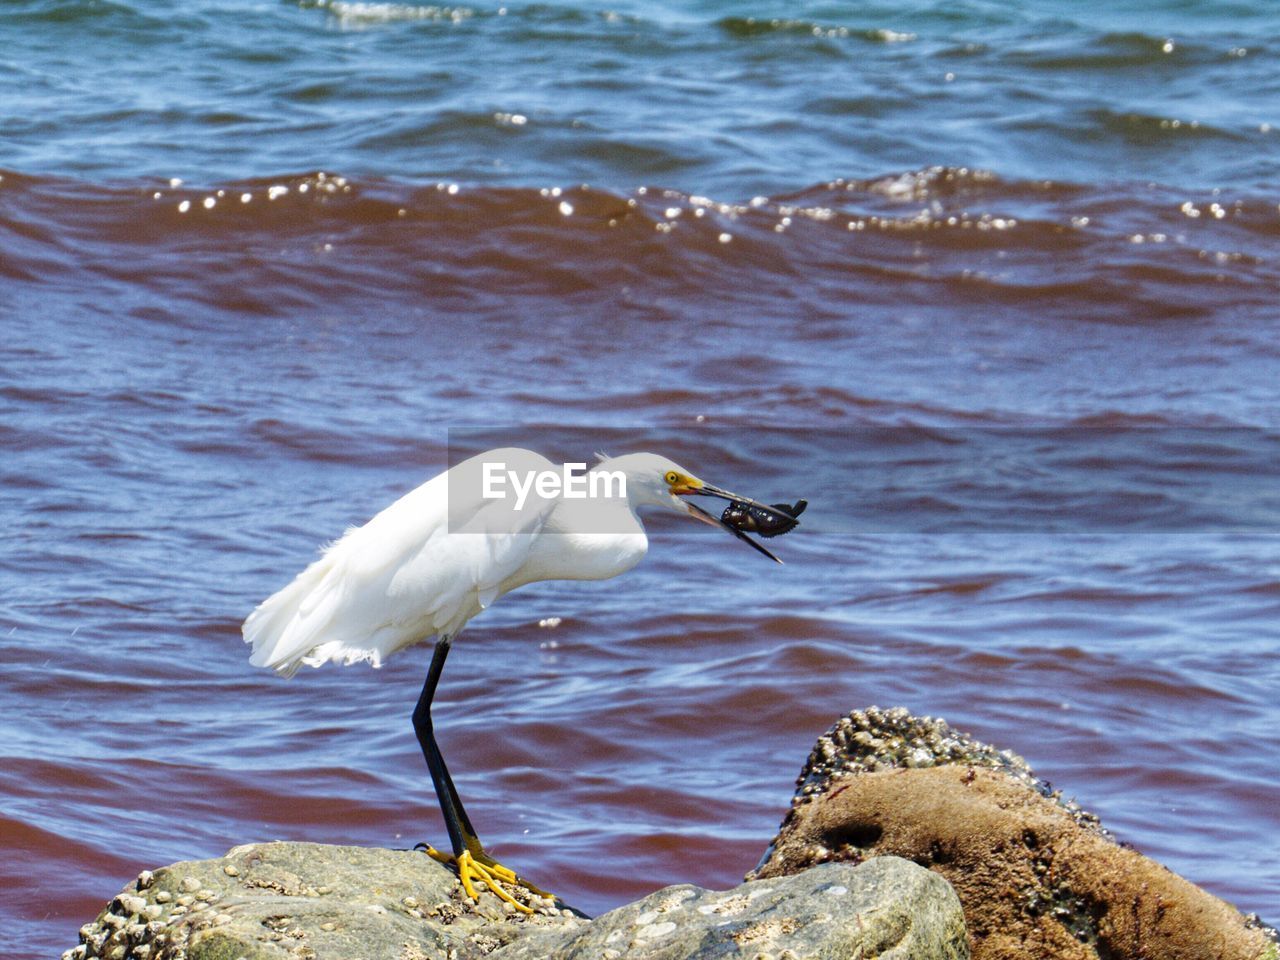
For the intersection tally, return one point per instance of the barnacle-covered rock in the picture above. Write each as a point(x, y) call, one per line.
point(1038, 876)
point(291, 901)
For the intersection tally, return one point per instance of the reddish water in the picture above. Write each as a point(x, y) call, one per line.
point(1024, 521)
point(1033, 410)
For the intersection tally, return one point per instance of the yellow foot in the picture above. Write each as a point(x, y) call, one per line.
point(478, 865)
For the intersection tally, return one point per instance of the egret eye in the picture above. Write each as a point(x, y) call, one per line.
point(672, 477)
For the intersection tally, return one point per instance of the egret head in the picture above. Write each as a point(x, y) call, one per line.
point(657, 481)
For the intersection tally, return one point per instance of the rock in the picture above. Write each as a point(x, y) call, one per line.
point(886, 908)
point(303, 900)
point(1038, 877)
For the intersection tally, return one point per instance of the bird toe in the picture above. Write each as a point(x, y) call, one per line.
point(475, 867)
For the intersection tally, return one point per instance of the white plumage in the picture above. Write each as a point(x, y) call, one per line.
point(442, 553)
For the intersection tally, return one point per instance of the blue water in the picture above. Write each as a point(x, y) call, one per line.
point(711, 98)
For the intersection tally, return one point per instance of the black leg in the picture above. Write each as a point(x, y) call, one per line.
point(469, 857)
point(456, 820)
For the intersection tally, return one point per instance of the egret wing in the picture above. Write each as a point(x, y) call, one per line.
point(423, 566)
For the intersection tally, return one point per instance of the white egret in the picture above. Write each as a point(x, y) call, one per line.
point(445, 551)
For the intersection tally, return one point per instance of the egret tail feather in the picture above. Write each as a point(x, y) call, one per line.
point(289, 625)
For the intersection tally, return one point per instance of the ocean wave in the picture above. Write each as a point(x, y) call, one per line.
point(1125, 253)
point(749, 27)
point(1116, 51)
point(368, 12)
point(86, 13)
point(1147, 128)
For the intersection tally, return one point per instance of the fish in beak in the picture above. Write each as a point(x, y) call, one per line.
point(745, 514)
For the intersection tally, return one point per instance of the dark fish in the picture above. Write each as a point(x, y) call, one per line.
point(774, 522)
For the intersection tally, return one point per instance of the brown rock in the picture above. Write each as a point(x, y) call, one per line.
point(1035, 879)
